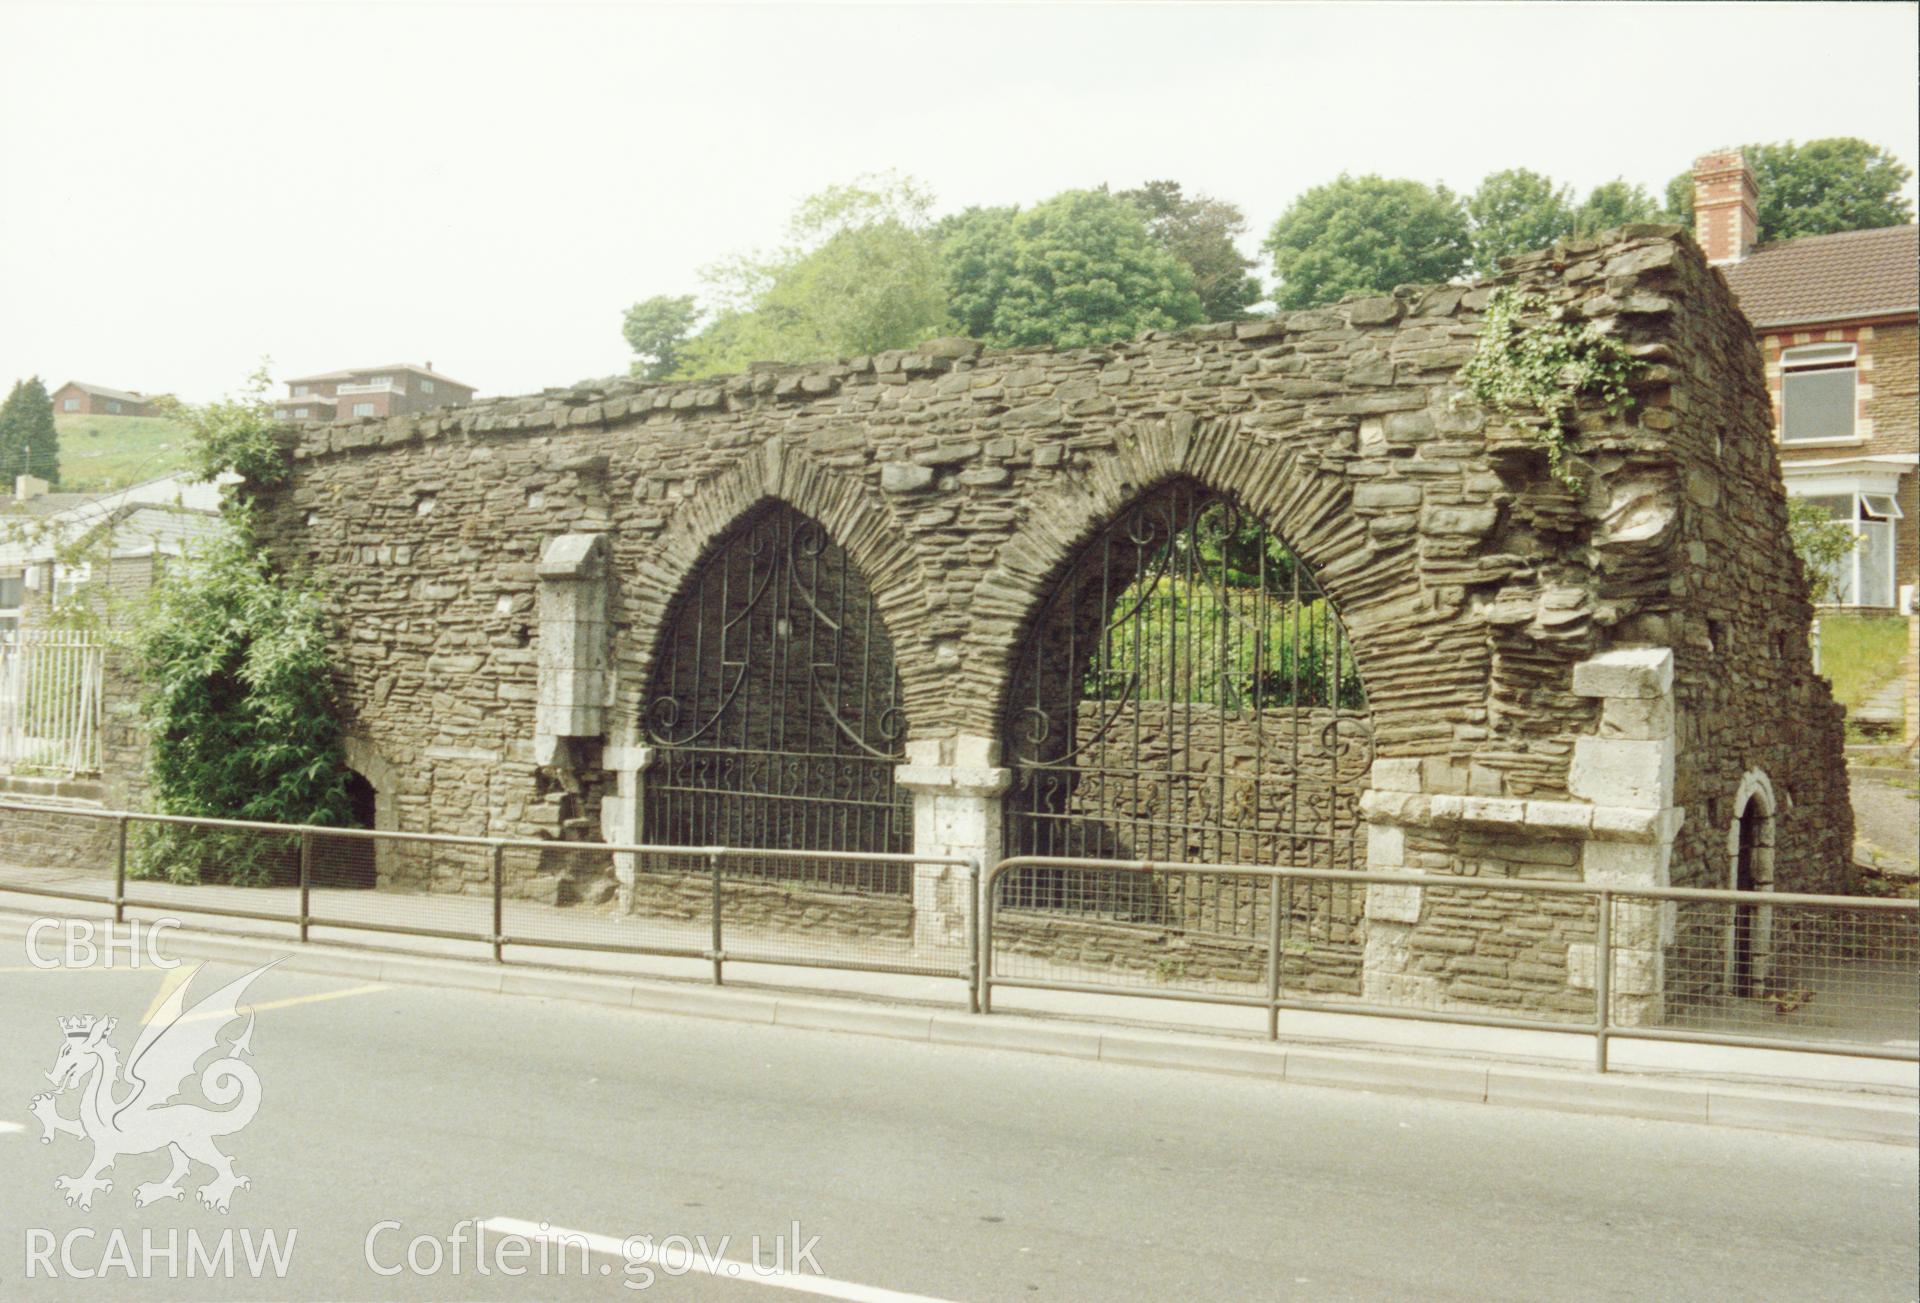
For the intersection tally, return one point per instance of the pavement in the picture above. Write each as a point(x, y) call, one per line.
point(1886, 818)
point(394, 1116)
point(1885, 708)
point(1860, 1003)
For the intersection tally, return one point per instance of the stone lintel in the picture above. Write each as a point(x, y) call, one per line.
point(1641, 672)
point(629, 759)
point(1567, 820)
point(966, 750)
point(953, 780)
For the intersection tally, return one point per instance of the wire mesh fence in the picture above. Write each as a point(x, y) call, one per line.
point(1827, 974)
point(1177, 930)
point(1840, 973)
point(49, 852)
point(821, 909)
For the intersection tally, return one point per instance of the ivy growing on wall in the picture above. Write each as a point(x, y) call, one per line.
point(1534, 358)
point(240, 706)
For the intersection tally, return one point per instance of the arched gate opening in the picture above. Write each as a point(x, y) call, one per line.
point(775, 707)
point(1187, 692)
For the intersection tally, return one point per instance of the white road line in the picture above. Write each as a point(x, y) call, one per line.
point(673, 1262)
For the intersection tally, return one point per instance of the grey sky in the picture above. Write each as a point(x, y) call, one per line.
point(487, 186)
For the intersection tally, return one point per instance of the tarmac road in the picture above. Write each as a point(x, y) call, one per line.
point(944, 1171)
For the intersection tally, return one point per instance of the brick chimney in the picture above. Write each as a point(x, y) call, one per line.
point(1726, 220)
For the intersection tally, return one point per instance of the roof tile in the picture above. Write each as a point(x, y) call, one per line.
point(1830, 277)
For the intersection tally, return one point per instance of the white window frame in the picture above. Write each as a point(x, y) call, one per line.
point(300, 391)
point(300, 413)
point(69, 404)
point(1806, 359)
point(426, 386)
point(1871, 506)
point(364, 409)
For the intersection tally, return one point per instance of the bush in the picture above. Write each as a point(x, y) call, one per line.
point(241, 709)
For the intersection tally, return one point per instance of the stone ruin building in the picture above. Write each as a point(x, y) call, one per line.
point(1269, 592)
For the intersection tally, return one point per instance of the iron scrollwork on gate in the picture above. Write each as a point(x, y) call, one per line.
point(1187, 692)
point(775, 707)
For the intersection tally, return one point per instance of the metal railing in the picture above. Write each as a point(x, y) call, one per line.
point(50, 701)
point(714, 903)
point(1746, 969)
point(1770, 970)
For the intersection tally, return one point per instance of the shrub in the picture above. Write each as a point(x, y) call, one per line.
point(239, 691)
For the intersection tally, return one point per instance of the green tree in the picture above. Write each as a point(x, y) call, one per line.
point(1079, 269)
point(1823, 543)
point(1615, 203)
point(1515, 211)
point(861, 273)
point(1366, 234)
point(973, 251)
point(657, 330)
point(1203, 233)
point(29, 440)
point(1824, 186)
point(238, 434)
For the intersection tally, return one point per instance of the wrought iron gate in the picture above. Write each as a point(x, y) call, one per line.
point(1186, 693)
point(775, 707)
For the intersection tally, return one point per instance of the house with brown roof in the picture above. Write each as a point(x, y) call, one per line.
point(1837, 318)
point(77, 398)
point(376, 391)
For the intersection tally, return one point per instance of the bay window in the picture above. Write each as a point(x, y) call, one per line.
point(1865, 575)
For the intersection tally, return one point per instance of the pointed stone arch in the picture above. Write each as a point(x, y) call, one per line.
point(772, 710)
point(856, 519)
point(1375, 585)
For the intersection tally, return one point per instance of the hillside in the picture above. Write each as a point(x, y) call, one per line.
point(110, 452)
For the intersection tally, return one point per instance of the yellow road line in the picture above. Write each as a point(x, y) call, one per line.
point(174, 979)
point(369, 989)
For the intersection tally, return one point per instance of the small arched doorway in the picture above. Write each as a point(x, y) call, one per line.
point(1750, 924)
point(1747, 834)
point(351, 861)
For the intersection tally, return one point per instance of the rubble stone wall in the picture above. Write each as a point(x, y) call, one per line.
point(48, 827)
point(1489, 606)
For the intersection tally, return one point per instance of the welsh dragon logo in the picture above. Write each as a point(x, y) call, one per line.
point(132, 1112)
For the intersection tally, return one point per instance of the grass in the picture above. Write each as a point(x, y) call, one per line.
point(1860, 654)
point(1216, 646)
point(110, 452)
